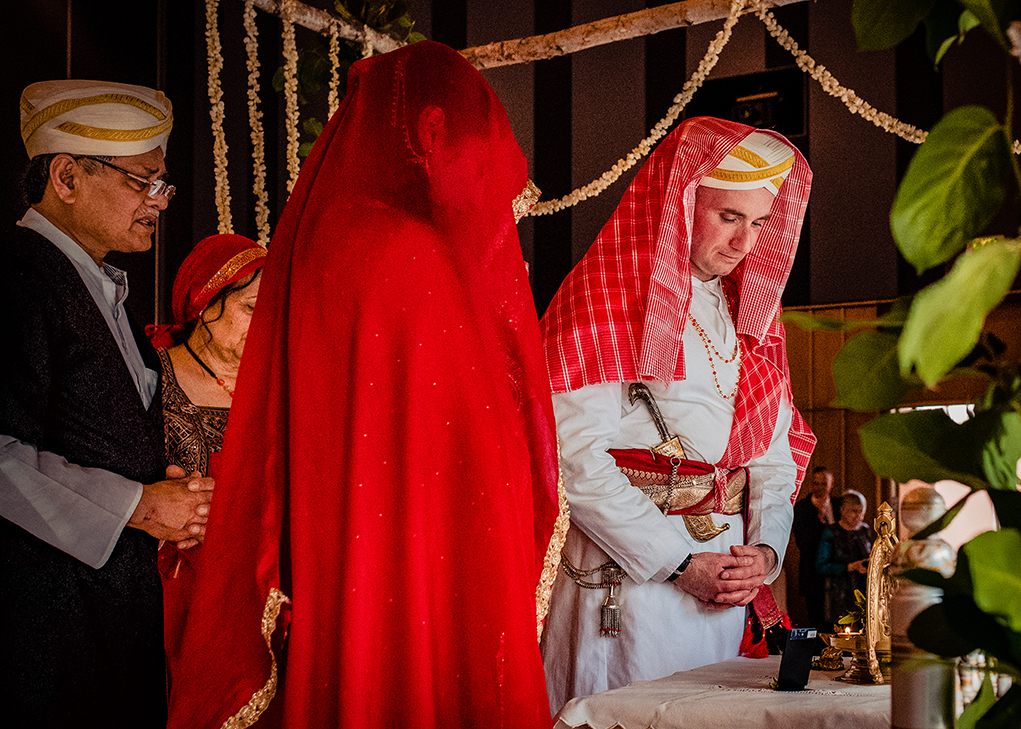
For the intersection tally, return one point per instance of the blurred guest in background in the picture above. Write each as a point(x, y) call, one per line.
point(843, 557)
point(811, 515)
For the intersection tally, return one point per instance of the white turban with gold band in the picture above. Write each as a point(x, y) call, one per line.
point(94, 118)
point(758, 160)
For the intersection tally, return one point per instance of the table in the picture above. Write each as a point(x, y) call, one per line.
point(734, 694)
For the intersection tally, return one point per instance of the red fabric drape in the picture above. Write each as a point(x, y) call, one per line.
point(390, 460)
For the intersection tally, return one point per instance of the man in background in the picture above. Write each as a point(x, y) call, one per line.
point(811, 515)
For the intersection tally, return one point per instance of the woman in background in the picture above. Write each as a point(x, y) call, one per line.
point(843, 557)
point(213, 300)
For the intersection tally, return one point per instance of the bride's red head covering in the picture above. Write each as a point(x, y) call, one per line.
point(215, 263)
point(390, 459)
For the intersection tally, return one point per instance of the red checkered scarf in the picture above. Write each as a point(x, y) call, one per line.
point(619, 315)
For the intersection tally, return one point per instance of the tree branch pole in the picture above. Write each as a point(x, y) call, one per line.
point(601, 32)
point(538, 47)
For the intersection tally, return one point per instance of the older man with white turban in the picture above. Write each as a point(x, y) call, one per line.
point(82, 444)
point(681, 447)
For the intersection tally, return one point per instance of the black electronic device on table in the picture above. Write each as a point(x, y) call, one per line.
point(796, 662)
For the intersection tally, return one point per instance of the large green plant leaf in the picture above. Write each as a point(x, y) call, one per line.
point(1005, 713)
point(1008, 508)
point(867, 374)
point(882, 24)
point(946, 317)
point(933, 630)
point(994, 558)
point(923, 444)
point(955, 184)
point(994, 16)
point(1002, 449)
point(893, 319)
point(979, 705)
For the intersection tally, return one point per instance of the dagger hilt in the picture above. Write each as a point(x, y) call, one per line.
point(640, 391)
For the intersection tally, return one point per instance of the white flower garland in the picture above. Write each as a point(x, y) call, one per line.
point(290, 51)
point(213, 50)
point(645, 146)
point(255, 121)
point(854, 103)
point(333, 100)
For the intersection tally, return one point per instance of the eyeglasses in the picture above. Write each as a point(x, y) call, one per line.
point(156, 187)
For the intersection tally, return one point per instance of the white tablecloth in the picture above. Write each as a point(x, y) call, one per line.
point(734, 694)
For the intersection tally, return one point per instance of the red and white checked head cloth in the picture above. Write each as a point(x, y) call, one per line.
point(620, 314)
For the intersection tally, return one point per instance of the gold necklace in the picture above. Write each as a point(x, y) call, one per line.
point(710, 348)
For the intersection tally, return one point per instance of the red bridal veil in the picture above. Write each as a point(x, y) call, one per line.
point(390, 462)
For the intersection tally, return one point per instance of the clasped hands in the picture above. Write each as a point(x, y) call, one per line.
point(175, 510)
point(720, 581)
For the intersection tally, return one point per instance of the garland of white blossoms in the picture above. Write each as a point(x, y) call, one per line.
point(290, 50)
point(255, 121)
point(333, 99)
point(213, 49)
point(854, 103)
point(645, 146)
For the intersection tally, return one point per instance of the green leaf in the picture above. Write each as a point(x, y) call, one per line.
point(941, 28)
point(954, 185)
point(922, 444)
point(1008, 508)
point(894, 318)
point(946, 317)
point(305, 149)
point(880, 24)
point(993, 15)
point(1002, 449)
point(312, 126)
point(993, 559)
point(934, 630)
point(867, 373)
point(1005, 713)
point(940, 524)
point(982, 702)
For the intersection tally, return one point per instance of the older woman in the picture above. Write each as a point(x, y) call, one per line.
point(843, 556)
point(213, 299)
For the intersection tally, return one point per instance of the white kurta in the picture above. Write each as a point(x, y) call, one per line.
point(664, 630)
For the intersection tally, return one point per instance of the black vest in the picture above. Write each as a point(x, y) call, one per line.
point(83, 646)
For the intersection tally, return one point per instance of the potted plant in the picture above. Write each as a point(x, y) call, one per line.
point(956, 183)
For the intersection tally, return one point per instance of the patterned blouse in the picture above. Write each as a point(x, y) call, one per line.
point(192, 431)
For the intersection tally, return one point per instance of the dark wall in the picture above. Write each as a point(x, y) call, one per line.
point(574, 117)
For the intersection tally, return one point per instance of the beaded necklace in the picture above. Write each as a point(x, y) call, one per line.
point(710, 349)
point(219, 380)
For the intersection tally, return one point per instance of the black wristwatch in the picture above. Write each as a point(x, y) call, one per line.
point(680, 569)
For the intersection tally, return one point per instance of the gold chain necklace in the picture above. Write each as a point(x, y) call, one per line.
point(710, 348)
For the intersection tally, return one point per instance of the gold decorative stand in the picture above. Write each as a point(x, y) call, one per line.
point(870, 648)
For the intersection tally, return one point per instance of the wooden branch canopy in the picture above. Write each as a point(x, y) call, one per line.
point(601, 32)
point(537, 47)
